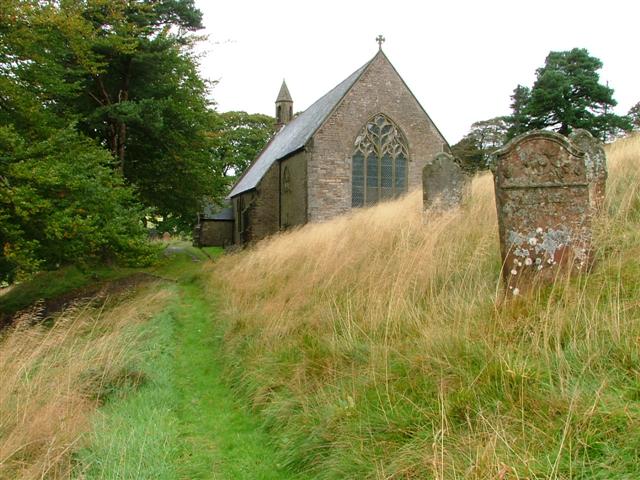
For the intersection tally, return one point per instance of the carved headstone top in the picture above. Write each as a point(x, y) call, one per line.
point(443, 182)
point(596, 164)
point(542, 199)
point(540, 159)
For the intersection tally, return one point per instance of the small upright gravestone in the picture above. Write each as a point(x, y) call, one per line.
point(596, 165)
point(443, 183)
point(544, 214)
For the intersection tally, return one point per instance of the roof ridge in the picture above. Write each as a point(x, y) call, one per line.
point(294, 136)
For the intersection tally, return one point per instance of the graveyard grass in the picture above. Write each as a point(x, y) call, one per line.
point(378, 345)
point(126, 386)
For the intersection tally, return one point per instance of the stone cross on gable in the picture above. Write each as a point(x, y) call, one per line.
point(380, 39)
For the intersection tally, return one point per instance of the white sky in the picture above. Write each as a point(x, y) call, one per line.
point(461, 59)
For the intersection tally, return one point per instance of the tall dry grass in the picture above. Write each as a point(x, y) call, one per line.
point(54, 376)
point(375, 346)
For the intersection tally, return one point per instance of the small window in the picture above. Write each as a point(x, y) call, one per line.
point(384, 174)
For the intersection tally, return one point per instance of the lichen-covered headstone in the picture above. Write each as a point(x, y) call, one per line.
point(443, 183)
point(544, 215)
point(596, 165)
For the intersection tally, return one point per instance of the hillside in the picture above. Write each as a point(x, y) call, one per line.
point(123, 381)
point(376, 345)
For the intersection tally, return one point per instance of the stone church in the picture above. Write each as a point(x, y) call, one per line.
point(365, 141)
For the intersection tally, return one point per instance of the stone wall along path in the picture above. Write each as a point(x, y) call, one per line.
point(544, 212)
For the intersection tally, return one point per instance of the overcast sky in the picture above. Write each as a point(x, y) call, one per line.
point(461, 59)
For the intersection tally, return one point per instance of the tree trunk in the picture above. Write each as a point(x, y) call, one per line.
point(564, 129)
point(117, 132)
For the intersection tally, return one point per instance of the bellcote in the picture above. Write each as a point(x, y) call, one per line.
point(284, 106)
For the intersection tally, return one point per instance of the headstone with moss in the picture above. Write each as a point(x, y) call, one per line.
point(443, 183)
point(544, 212)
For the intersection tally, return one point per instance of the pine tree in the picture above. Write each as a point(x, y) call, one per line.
point(567, 94)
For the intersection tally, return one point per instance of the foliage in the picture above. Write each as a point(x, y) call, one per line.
point(123, 72)
point(60, 203)
point(519, 118)
point(468, 154)
point(634, 115)
point(567, 94)
point(376, 345)
point(476, 147)
point(237, 139)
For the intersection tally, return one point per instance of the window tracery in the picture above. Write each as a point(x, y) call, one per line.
point(379, 162)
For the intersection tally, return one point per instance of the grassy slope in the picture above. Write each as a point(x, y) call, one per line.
point(375, 345)
point(183, 422)
point(54, 376)
point(127, 388)
point(49, 285)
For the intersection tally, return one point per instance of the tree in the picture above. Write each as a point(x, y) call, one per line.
point(468, 154)
point(484, 138)
point(124, 73)
point(519, 119)
point(61, 204)
point(634, 115)
point(567, 94)
point(236, 140)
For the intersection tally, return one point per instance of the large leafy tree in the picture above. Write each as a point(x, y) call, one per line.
point(567, 94)
point(61, 204)
point(236, 140)
point(484, 138)
point(123, 72)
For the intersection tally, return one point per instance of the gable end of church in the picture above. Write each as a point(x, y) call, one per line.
point(379, 90)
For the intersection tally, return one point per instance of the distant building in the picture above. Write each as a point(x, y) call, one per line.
point(214, 228)
point(365, 141)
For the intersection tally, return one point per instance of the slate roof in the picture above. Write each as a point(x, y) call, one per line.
point(210, 212)
point(293, 136)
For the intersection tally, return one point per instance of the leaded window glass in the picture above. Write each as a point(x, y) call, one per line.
point(357, 192)
point(379, 162)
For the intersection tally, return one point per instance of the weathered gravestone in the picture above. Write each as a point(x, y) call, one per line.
point(544, 215)
point(596, 165)
point(443, 183)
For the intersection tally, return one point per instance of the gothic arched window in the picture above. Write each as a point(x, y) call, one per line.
point(379, 162)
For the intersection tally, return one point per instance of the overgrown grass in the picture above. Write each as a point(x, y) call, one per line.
point(375, 345)
point(127, 388)
point(48, 285)
point(183, 422)
point(54, 376)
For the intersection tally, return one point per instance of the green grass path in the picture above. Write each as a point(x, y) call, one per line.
point(224, 440)
point(183, 422)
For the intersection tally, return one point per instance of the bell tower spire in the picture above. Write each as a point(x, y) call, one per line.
point(284, 107)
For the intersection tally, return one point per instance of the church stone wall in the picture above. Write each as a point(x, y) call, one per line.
point(257, 212)
point(215, 233)
point(293, 188)
point(379, 90)
point(266, 206)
